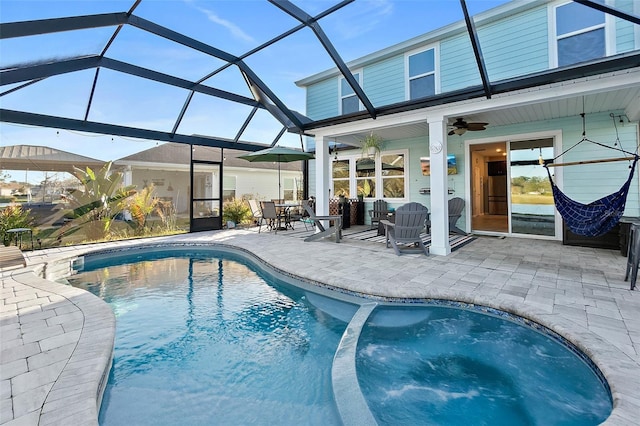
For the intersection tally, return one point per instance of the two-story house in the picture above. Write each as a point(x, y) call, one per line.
point(470, 110)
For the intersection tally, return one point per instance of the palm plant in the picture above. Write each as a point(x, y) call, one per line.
point(141, 205)
point(99, 202)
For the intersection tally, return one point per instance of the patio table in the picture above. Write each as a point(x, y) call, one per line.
point(286, 209)
point(18, 232)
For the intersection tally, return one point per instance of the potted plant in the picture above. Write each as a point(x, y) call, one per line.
point(371, 146)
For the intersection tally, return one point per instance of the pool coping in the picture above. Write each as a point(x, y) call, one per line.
point(91, 359)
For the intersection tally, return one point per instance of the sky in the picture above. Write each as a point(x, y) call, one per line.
point(234, 26)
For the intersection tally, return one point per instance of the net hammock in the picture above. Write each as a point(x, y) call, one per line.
point(596, 218)
point(600, 216)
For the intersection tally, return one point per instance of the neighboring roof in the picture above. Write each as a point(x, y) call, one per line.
point(43, 158)
point(179, 154)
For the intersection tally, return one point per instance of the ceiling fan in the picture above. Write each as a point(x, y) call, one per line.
point(460, 127)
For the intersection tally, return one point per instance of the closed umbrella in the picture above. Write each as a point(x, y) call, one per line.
point(278, 154)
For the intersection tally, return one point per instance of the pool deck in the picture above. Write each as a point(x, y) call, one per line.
point(57, 340)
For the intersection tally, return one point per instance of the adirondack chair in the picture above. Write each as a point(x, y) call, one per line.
point(336, 229)
point(409, 224)
point(456, 205)
point(378, 212)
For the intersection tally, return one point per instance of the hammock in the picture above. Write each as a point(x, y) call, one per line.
point(596, 218)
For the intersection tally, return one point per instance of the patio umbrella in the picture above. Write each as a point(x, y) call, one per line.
point(278, 154)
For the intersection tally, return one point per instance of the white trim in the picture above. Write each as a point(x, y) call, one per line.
point(377, 178)
point(608, 25)
point(436, 68)
point(636, 28)
point(556, 135)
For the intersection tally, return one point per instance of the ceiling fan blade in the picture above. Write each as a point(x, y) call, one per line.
point(476, 126)
point(451, 133)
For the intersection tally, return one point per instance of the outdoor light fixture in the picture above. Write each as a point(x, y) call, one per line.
point(540, 159)
point(459, 131)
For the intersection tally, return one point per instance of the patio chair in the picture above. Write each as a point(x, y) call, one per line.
point(335, 229)
point(255, 211)
point(409, 224)
point(270, 216)
point(11, 257)
point(380, 211)
point(456, 205)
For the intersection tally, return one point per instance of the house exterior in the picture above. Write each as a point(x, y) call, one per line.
point(167, 167)
point(518, 99)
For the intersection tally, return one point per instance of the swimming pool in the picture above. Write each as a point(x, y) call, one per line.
point(205, 336)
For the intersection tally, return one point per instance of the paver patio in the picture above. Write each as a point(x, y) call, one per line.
point(57, 340)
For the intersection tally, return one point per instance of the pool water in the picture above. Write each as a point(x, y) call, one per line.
point(204, 339)
point(464, 367)
point(208, 337)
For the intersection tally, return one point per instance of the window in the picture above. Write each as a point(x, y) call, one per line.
point(392, 166)
point(288, 188)
point(381, 177)
point(366, 177)
point(228, 188)
point(422, 74)
point(349, 102)
point(580, 34)
point(341, 178)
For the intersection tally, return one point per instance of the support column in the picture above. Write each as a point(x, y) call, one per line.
point(322, 176)
point(439, 186)
point(127, 176)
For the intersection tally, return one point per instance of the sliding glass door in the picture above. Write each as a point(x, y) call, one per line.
point(531, 201)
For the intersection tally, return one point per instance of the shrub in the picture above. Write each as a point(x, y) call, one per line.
point(14, 217)
point(237, 211)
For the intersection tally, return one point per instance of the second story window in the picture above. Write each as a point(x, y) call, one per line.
point(349, 102)
point(422, 74)
point(580, 34)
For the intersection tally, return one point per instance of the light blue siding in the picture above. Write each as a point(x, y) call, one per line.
point(458, 68)
point(516, 45)
point(625, 37)
point(322, 99)
point(384, 82)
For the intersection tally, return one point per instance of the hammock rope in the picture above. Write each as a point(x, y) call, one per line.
point(600, 216)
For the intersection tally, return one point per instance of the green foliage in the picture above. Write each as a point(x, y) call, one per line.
point(530, 185)
point(371, 143)
point(141, 205)
point(14, 217)
point(237, 211)
point(99, 202)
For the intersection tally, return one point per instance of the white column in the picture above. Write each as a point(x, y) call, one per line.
point(322, 176)
point(439, 190)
